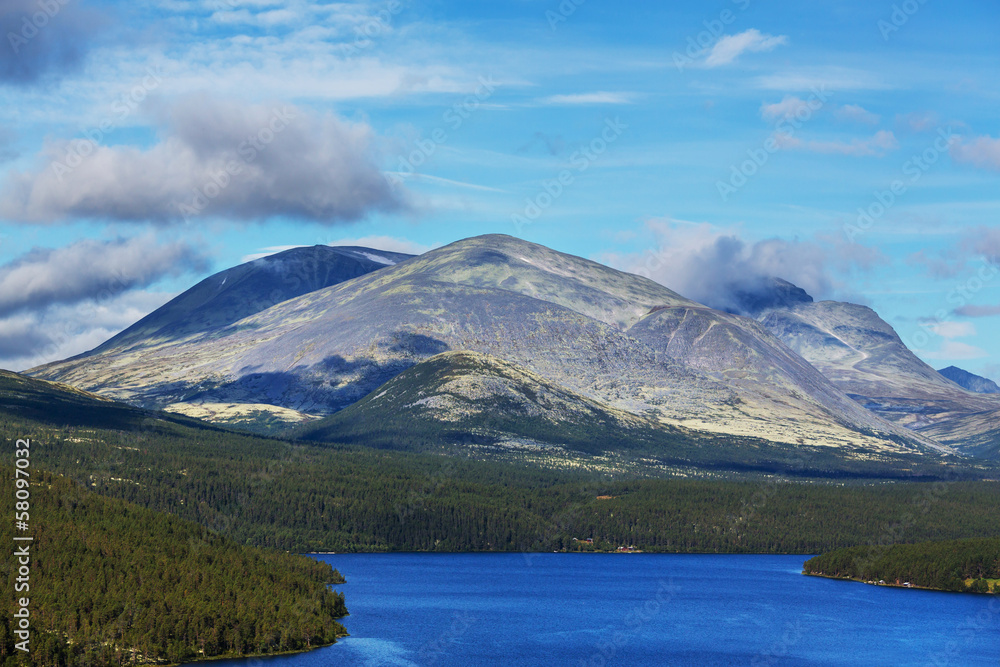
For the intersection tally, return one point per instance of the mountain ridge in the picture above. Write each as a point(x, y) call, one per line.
point(970, 381)
point(609, 336)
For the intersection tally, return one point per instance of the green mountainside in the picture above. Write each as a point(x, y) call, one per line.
point(112, 582)
point(322, 497)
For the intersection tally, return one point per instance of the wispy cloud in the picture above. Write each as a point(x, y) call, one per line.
point(855, 113)
point(952, 329)
point(953, 349)
point(442, 181)
point(831, 78)
point(918, 121)
point(731, 47)
point(600, 97)
point(879, 144)
point(977, 311)
point(982, 152)
point(786, 108)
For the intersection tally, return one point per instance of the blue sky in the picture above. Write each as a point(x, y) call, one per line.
point(144, 146)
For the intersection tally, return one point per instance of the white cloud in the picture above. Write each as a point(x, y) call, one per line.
point(786, 108)
point(731, 47)
point(878, 144)
point(89, 270)
point(829, 79)
point(30, 339)
point(707, 264)
point(953, 349)
point(600, 97)
point(857, 114)
point(217, 158)
point(953, 329)
point(982, 152)
point(918, 121)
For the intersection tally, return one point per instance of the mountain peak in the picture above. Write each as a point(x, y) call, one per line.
point(755, 297)
point(233, 294)
point(970, 381)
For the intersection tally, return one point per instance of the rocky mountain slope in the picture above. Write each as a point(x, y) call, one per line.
point(970, 381)
point(611, 337)
point(236, 293)
point(862, 355)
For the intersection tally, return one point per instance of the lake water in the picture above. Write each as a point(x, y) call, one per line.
point(639, 609)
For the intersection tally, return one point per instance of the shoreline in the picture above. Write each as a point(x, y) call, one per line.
point(248, 656)
point(589, 551)
point(888, 585)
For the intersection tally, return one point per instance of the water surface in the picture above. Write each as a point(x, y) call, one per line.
point(640, 609)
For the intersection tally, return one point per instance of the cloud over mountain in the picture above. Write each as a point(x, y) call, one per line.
point(709, 265)
point(214, 158)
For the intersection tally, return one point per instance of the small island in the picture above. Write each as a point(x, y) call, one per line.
point(963, 566)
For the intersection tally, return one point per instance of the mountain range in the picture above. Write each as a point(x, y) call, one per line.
point(501, 328)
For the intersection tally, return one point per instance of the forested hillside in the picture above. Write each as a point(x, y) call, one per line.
point(310, 498)
point(307, 497)
point(956, 565)
point(111, 582)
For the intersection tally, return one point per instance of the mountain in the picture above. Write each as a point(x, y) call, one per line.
point(468, 397)
point(56, 404)
point(970, 381)
point(756, 296)
point(236, 293)
point(862, 355)
point(468, 403)
point(614, 338)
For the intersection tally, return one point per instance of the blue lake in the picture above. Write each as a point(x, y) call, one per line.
point(639, 609)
